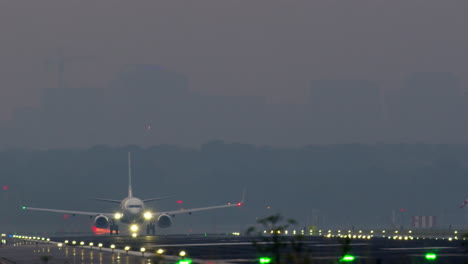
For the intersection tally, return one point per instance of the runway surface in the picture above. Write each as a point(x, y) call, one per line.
point(238, 249)
point(235, 249)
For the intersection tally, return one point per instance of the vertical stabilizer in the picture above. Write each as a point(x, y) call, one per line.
point(130, 193)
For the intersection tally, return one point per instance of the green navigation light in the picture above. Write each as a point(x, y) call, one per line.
point(348, 258)
point(264, 260)
point(431, 256)
point(185, 261)
point(23, 207)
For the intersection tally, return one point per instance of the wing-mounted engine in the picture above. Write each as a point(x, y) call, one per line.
point(101, 221)
point(164, 221)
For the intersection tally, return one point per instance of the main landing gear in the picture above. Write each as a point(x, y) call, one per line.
point(114, 228)
point(151, 229)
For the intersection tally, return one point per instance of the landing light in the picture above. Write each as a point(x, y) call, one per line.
point(160, 251)
point(118, 216)
point(134, 228)
point(148, 215)
point(134, 235)
point(182, 253)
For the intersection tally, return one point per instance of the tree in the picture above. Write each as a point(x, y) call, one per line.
point(273, 243)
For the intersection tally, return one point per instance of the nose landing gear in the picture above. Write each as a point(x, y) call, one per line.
point(151, 229)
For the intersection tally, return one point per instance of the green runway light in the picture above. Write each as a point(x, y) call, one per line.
point(264, 260)
point(185, 261)
point(347, 258)
point(431, 256)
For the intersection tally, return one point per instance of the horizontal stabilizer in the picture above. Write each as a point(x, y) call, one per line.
point(107, 200)
point(156, 199)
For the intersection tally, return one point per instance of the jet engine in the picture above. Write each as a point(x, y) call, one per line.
point(164, 221)
point(101, 221)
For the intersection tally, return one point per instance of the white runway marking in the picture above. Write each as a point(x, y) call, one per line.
point(249, 243)
point(417, 248)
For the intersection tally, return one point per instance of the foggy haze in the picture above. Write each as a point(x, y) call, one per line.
point(325, 109)
point(269, 49)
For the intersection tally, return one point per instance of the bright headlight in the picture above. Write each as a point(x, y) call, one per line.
point(147, 215)
point(118, 216)
point(134, 228)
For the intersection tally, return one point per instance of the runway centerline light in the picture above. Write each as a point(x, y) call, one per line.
point(264, 260)
point(431, 256)
point(347, 258)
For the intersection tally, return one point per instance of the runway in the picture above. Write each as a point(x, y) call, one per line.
point(239, 249)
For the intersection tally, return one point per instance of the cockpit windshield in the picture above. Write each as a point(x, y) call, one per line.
point(134, 206)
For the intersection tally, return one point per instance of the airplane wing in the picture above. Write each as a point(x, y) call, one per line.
point(156, 199)
point(464, 203)
point(66, 211)
point(107, 200)
point(189, 211)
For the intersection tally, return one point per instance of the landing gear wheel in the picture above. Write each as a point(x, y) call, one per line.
point(151, 229)
point(114, 228)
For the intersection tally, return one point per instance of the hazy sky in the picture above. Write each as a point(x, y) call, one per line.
point(241, 47)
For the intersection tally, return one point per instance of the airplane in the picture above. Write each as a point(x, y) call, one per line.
point(464, 203)
point(133, 212)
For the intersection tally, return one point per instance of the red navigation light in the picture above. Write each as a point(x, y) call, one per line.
point(5, 187)
point(179, 201)
point(402, 210)
point(239, 204)
point(66, 216)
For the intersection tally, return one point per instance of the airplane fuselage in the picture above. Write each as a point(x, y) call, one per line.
point(132, 209)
